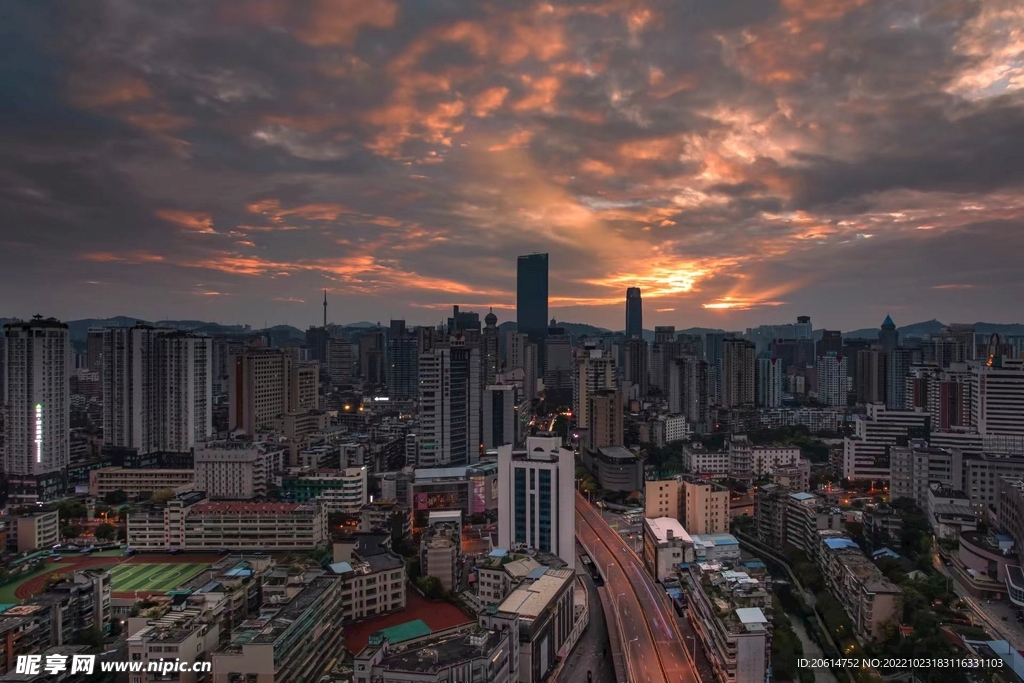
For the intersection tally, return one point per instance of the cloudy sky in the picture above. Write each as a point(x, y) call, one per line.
point(742, 161)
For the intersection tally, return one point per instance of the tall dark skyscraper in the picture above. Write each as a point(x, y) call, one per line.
point(532, 301)
point(634, 313)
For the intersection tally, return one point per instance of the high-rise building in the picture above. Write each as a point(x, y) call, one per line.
point(522, 354)
point(489, 348)
point(94, 349)
point(532, 301)
point(265, 384)
point(536, 498)
point(501, 417)
point(769, 382)
point(898, 363)
point(869, 382)
point(449, 429)
point(605, 419)
point(316, 342)
point(37, 428)
point(831, 342)
point(373, 356)
point(998, 397)
point(341, 361)
point(634, 313)
point(558, 368)
point(636, 366)
point(403, 361)
point(803, 328)
point(595, 371)
point(664, 351)
point(157, 389)
point(832, 380)
point(888, 337)
point(705, 507)
point(737, 382)
point(688, 392)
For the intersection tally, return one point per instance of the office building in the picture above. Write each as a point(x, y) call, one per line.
point(450, 396)
point(341, 362)
point(237, 469)
point(605, 419)
point(888, 337)
point(544, 604)
point(403, 354)
point(523, 354)
point(266, 384)
point(536, 498)
point(634, 313)
point(558, 368)
point(32, 531)
point(501, 416)
point(157, 390)
point(737, 378)
point(830, 342)
point(37, 424)
point(832, 379)
point(998, 397)
point(869, 382)
point(866, 453)
point(615, 468)
point(705, 506)
point(532, 302)
point(490, 349)
point(898, 363)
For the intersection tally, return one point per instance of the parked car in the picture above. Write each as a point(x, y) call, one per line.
point(56, 558)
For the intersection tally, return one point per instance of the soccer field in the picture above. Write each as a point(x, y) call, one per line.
point(152, 577)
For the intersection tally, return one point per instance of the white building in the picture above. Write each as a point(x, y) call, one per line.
point(666, 546)
point(536, 505)
point(676, 428)
point(998, 397)
point(769, 382)
point(237, 470)
point(449, 418)
point(501, 416)
point(157, 389)
point(594, 372)
point(747, 460)
point(832, 380)
point(137, 481)
point(699, 460)
point(36, 390)
point(865, 454)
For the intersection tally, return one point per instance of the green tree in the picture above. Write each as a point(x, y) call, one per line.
point(163, 495)
point(105, 532)
point(72, 509)
point(69, 531)
point(118, 497)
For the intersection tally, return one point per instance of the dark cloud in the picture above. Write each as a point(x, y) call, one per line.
point(782, 154)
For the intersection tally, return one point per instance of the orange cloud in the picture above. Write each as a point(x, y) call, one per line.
point(271, 208)
point(92, 93)
point(191, 220)
point(542, 94)
point(322, 23)
point(133, 257)
point(489, 100)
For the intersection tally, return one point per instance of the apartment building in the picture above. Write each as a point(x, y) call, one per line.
point(500, 572)
point(749, 461)
point(386, 515)
point(729, 612)
point(872, 601)
point(373, 577)
point(139, 483)
point(866, 453)
point(237, 469)
point(997, 405)
point(440, 547)
point(806, 516)
point(666, 546)
point(705, 506)
point(796, 477)
point(983, 474)
point(916, 465)
point(294, 640)
point(664, 498)
point(182, 637)
point(700, 460)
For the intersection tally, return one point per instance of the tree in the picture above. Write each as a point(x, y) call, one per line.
point(163, 495)
point(68, 531)
point(105, 532)
point(118, 497)
point(72, 509)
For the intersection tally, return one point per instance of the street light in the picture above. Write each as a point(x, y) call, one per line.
point(694, 649)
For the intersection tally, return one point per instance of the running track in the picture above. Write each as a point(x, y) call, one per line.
point(37, 583)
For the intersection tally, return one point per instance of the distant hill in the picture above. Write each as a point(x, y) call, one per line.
point(931, 327)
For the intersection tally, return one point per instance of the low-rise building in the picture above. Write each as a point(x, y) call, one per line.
point(747, 461)
point(705, 506)
point(664, 498)
point(391, 515)
point(339, 491)
point(666, 546)
point(949, 512)
point(730, 614)
point(179, 637)
point(795, 477)
point(716, 548)
point(806, 516)
point(499, 572)
point(871, 600)
point(440, 547)
point(544, 604)
point(883, 525)
point(373, 576)
point(139, 483)
point(33, 531)
point(294, 641)
point(237, 469)
point(699, 460)
point(615, 468)
point(485, 652)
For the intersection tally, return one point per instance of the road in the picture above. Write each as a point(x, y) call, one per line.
point(652, 643)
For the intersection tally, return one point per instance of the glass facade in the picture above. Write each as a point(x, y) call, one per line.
point(532, 301)
point(520, 506)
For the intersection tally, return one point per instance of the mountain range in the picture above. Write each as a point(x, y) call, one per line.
point(78, 329)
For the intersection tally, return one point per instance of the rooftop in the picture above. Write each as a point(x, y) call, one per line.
point(529, 601)
point(293, 610)
point(441, 651)
point(246, 508)
point(802, 496)
point(870, 577)
point(665, 527)
point(428, 473)
point(616, 453)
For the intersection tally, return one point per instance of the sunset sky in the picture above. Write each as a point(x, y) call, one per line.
point(742, 161)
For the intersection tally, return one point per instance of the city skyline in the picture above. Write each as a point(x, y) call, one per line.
point(740, 163)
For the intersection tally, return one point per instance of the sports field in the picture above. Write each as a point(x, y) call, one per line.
point(151, 577)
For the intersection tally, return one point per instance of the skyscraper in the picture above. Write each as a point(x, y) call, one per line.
point(898, 364)
point(341, 361)
point(532, 301)
point(558, 368)
point(267, 383)
point(769, 382)
point(688, 391)
point(803, 328)
point(500, 422)
point(450, 399)
point(636, 365)
point(634, 313)
point(37, 446)
point(998, 397)
point(489, 345)
point(594, 371)
point(403, 361)
point(535, 498)
point(157, 388)
point(832, 380)
point(888, 337)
